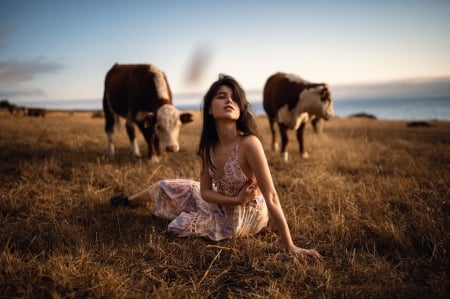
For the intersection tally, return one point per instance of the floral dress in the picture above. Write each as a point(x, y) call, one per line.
point(179, 200)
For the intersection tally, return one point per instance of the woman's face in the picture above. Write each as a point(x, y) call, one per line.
point(223, 105)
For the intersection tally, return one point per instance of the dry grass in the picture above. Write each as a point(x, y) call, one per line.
point(373, 199)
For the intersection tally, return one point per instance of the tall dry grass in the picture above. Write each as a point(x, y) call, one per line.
point(373, 198)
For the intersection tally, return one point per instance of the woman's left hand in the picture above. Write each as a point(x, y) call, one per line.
point(248, 192)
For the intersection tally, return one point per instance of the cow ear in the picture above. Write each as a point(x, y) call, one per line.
point(186, 117)
point(324, 93)
point(142, 115)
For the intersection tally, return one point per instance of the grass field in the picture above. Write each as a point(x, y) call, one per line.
point(373, 199)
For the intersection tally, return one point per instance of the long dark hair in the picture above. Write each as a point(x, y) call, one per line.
point(245, 124)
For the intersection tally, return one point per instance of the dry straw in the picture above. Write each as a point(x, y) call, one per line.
point(372, 198)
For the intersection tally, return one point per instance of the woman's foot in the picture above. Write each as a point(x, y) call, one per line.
point(120, 201)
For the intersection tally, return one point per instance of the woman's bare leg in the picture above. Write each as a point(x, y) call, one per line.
point(140, 198)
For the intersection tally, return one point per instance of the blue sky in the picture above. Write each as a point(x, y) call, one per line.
point(61, 50)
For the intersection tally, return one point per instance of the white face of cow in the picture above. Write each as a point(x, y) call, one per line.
point(317, 101)
point(312, 101)
point(167, 127)
point(169, 121)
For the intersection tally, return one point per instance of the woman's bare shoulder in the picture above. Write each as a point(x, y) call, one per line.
point(250, 142)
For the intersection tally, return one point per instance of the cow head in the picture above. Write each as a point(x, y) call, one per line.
point(166, 124)
point(317, 101)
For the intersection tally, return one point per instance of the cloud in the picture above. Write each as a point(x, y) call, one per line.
point(12, 72)
point(21, 92)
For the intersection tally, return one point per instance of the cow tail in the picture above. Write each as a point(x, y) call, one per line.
point(112, 119)
point(116, 118)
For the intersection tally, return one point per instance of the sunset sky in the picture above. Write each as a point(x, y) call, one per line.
point(61, 50)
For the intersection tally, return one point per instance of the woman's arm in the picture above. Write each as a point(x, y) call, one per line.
point(257, 161)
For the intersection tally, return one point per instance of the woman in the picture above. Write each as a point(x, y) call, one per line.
point(236, 193)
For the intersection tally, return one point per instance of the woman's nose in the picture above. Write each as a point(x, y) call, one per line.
point(229, 100)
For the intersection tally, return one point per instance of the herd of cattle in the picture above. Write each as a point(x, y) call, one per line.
point(141, 94)
point(23, 111)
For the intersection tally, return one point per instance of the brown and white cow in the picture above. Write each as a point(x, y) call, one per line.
point(16, 110)
point(141, 94)
point(36, 112)
point(291, 101)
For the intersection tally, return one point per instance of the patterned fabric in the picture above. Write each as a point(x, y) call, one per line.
point(179, 200)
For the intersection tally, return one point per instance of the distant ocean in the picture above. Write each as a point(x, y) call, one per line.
point(423, 108)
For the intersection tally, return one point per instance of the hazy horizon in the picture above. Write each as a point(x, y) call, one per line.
point(413, 88)
point(62, 50)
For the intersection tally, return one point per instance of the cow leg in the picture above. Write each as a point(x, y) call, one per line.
point(284, 141)
point(109, 127)
point(317, 125)
point(152, 143)
point(154, 149)
point(300, 133)
point(156, 146)
point(109, 144)
point(132, 137)
point(274, 134)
